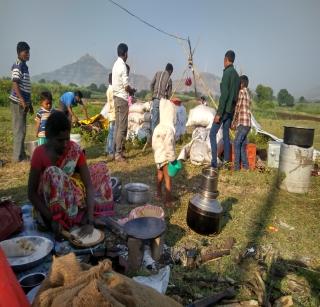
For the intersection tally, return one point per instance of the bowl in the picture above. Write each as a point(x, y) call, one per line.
point(137, 193)
point(147, 211)
point(32, 280)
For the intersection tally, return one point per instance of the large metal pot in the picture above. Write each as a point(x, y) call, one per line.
point(299, 136)
point(137, 193)
point(204, 215)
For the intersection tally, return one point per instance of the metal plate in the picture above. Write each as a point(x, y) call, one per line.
point(145, 227)
point(43, 246)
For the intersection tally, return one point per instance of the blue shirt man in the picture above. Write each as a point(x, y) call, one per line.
point(69, 100)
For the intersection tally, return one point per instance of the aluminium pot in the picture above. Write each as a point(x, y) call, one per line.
point(209, 182)
point(137, 193)
point(299, 136)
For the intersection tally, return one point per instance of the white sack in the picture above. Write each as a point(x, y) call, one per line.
point(201, 116)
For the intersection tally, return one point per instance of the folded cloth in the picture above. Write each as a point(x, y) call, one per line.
point(69, 284)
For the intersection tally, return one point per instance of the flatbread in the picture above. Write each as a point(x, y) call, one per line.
point(19, 248)
point(89, 239)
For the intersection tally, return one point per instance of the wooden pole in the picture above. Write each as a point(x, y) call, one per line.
point(191, 66)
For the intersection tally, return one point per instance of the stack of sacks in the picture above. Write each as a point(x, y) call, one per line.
point(139, 121)
point(199, 149)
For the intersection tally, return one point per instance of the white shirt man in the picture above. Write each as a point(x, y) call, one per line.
point(120, 79)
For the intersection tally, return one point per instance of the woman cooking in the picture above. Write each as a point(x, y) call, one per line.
point(60, 186)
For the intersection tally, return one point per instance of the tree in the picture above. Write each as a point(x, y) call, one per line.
point(264, 93)
point(102, 88)
point(302, 100)
point(285, 98)
point(73, 84)
point(56, 82)
point(92, 87)
point(42, 80)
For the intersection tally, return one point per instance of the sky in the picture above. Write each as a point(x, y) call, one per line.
point(276, 42)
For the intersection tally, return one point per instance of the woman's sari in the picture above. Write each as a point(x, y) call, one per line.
point(64, 192)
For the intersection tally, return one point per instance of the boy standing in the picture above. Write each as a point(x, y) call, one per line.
point(20, 100)
point(163, 145)
point(229, 89)
point(42, 116)
point(242, 123)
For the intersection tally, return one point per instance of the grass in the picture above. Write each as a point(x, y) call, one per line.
point(252, 203)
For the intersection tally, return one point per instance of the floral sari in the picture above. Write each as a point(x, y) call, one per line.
point(64, 192)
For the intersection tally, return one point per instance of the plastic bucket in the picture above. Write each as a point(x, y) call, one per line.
point(174, 167)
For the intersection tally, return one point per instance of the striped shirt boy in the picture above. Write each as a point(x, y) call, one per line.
point(242, 115)
point(20, 74)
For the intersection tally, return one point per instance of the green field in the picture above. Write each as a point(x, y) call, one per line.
point(288, 260)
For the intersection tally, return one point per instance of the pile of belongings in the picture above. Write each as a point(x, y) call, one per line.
point(139, 121)
point(94, 124)
point(199, 149)
point(70, 283)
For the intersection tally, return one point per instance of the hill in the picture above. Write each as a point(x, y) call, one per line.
point(88, 70)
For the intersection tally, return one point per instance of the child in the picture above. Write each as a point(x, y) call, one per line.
point(42, 116)
point(20, 98)
point(181, 118)
point(163, 145)
point(242, 123)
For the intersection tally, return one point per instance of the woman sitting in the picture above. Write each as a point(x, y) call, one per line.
point(61, 187)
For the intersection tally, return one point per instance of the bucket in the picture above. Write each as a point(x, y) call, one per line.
point(273, 154)
point(295, 168)
point(251, 155)
point(76, 138)
point(174, 167)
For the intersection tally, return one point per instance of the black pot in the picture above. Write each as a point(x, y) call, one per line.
point(203, 222)
point(302, 137)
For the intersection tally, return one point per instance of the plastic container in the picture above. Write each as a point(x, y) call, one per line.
point(274, 154)
point(174, 167)
point(251, 155)
point(295, 168)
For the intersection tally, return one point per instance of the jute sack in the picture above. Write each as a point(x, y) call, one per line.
point(69, 284)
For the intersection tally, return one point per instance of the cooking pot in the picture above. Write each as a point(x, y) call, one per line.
point(204, 215)
point(137, 193)
point(299, 136)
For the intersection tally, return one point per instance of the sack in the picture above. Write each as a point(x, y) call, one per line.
point(201, 116)
point(10, 218)
point(139, 118)
point(137, 107)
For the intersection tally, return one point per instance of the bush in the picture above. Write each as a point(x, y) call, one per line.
point(266, 105)
point(5, 88)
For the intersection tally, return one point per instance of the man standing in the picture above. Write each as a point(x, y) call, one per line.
point(161, 87)
point(121, 89)
point(20, 97)
point(229, 88)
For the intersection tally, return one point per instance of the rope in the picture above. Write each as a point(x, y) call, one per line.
point(147, 23)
